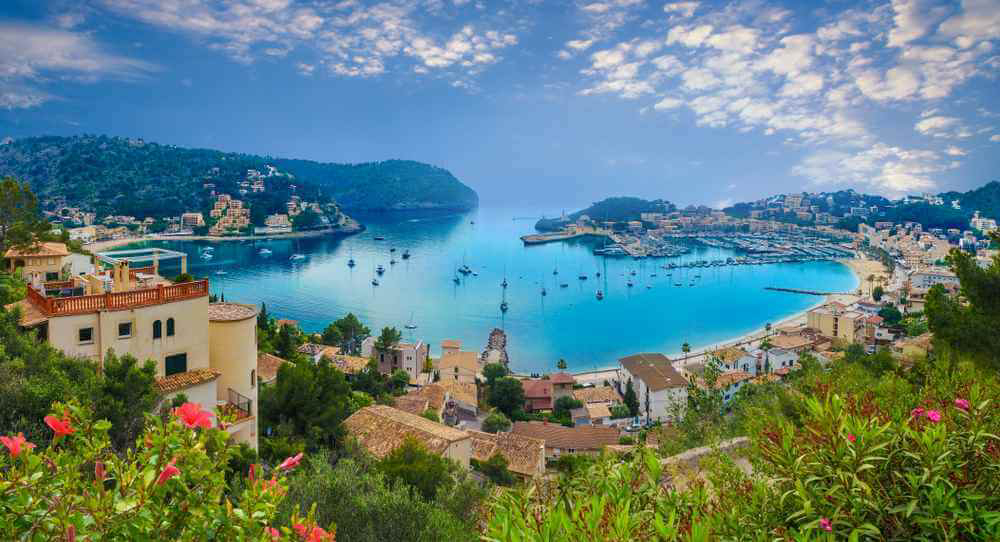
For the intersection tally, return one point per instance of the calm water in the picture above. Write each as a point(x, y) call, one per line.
point(568, 323)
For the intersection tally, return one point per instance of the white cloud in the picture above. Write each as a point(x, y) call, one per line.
point(942, 126)
point(681, 9)
point(668, 103)
point(995, 138)
point(886, 168)
point(955, 151)
point(31, 55)
point(913, 19)
point(689, 36)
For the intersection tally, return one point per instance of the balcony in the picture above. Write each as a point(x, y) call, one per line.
point(83, 304)
point(237, 406)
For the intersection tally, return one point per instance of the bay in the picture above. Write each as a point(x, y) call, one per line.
point(569, 322)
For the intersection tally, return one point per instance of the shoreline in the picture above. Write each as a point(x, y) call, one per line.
point(859, 267)
point(99, 246)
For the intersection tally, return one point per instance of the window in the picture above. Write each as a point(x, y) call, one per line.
point(86, 335)
point(157, 329)
point(51, 276)
point(253, 377)
point(177, 363)
point(124, 330)
point(170, 327)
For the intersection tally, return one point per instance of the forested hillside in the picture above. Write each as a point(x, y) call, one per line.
point(114, 175)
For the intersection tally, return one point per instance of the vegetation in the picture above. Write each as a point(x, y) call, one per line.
point(20, 219)
point(615, 209)
point(507, 395)
point(113, 175)
point(347, 333)
point(496, 422)
point(495, 469)
point(173, 487)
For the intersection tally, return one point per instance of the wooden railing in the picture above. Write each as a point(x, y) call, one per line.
point(60, 306)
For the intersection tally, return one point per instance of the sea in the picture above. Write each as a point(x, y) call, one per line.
point(420, 296)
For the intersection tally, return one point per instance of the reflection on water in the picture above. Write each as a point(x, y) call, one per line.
point(658, 312)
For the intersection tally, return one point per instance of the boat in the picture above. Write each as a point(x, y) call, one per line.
point(600, 295)
point(632, 272)
point(555, 271)
point(297, 257)
point(456, 280)
point(393, 249)
point(678, 284)
point(264, 252)
point(564, 285)
point(206, 256)
point(503, 306)
point(392, 261)
point(582, 276)
point(350, 263)
point(544, 293)
point(597, 274)
point(629, 284)
point(504, 283)
point(221, 272)
point(379, 238)
point(652, 275)
point(374, 282)
point(410, 324)
point(380, 270)
point(406, 255)
point(649, 286)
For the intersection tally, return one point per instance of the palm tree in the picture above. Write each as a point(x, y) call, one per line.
point(561, 365)
point(871, 281)
point(686, 348)
point(767, 328)
point(766, 346)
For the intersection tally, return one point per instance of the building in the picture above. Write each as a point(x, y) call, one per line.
point(316, 352)
point(604, 394)
point(208, 351)
point(39, 263)
point(458, 367)
point(982, 224)
point(537, 395)
point(192, 220)
point(661, 390)
point(560, 440)
point(409, 357)
point(525, 455)
point(736, 359)
point(562, 385)
point(380, 429)
point(835, 321)
point(925, 278)
point(84, 234)
point(450, 346)
point(496, 348)
point(267, 367)
point(591, 414)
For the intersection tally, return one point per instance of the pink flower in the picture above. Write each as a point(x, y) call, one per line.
point(60, 427)
point(316, 534)
point(826, 525)
point(274, 533)
point(16, 444)
point(917, 412)
point(71, 533)
point(168, 472)
point(291, 462)
point(193, 416)
point(851, 437)
point(962, 404)
point(934, 416)
point(99, 471)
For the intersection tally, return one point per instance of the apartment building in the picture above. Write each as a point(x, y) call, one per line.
point(834, 320)
point(409, 357)
point(661, 390)
point(207, 351)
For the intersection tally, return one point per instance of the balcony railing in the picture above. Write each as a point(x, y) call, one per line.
point(238, 404)
point(61, 306)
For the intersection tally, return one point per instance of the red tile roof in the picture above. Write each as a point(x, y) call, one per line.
point(187, 379)
point(582, 438)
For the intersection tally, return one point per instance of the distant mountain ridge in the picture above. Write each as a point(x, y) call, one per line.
point(114, 175)
point(615, 209)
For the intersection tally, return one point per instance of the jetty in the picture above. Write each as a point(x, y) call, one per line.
point(563, 235)
point(806, 292)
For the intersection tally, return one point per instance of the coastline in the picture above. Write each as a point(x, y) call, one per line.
point(99, 246)
point(860, 267)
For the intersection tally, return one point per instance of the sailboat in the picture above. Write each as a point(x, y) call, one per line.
point(410, 324)
point(600, 295)
point(406, 254)
point(350, 262)
point(380, 270)
point(503, 304)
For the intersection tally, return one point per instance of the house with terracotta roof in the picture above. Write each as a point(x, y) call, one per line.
point(561, 440)
point(38, 263)
point(537, 395)
point(562, 385)
point(736, 359)
point(591, 414)
point(729, 383)
point(607, 395)
point(207, 351)
point(380, 429)
point(661, 390)
point(525, 455)
point(267, 367)
point(409, 357)
point(316, 352)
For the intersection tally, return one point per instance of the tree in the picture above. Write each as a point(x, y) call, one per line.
point(399, 380)
point(307, 403)
point(12, 288)
point(686, 348)
point(495, 468)
point(496, 422)
point(877, 293)
point(564, 405)
point(630, 399)
point(507, 395)
point(388, 339)
point(305, 220)
point(431, 415)
point(890, 315)
point(561, 365)
point(969, 329)
point(21, 222)
point(418, 468)
point(125, 392)
point(492, 372)
point(287, 342)
point(352, 332)
point(766, 346)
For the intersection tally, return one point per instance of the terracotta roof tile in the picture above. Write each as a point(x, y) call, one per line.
point(30, 315)
point(38, 250)
point(562, 378)
point(654, 370)
point(411, 404)
point(181, 381)
point(381, 429)
point(597, 410)
point(525, 455)
point(349, 364)
point(268, 365)
point(230, 312)
point(565, 438)
point(601, 394)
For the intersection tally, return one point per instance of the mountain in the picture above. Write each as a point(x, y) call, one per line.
point(114, 175)
point(614, 209)
point(985, 199)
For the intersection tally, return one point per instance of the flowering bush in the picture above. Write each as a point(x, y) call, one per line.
point(171, 486)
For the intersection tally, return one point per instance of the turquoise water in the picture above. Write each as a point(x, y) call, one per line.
point(568, 323)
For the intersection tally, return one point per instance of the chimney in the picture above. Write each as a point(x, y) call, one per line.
point(121, 277)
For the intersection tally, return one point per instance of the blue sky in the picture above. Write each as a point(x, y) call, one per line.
point(534, 102)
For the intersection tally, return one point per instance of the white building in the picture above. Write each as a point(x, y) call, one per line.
point(925, 278)
point(661, 390)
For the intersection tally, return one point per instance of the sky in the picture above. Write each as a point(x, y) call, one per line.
point(534, 102)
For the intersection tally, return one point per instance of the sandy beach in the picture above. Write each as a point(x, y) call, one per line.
point(861, 267)
point(114, 243)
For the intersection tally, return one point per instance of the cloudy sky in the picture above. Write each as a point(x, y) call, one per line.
point(534, 101)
